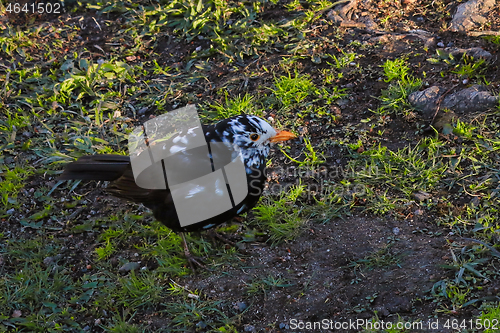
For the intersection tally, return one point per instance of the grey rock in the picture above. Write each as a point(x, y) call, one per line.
point(474, 52)
point(426, 100)
point(473, 99)
point(470, 15)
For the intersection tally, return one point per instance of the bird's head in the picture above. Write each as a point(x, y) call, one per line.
point(252, 136)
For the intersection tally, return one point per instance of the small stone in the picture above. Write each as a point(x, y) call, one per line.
point(249, 328)
point(97, 321)
point(421, 195)
point(285, 326)
point(27, 134)
point(201, 324)
point(396, 231)
point(193, 296)
point(16, 314)
point(86, 328)
point(240, 306)
point(10, 211)
point(48, 261)
point(440, 44)
point(130, 266)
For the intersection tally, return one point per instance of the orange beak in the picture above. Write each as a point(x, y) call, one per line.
point(282, 136)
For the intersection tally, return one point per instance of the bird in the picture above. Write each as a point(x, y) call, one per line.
point(250, 136)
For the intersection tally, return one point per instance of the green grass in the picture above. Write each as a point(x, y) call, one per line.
point(293, 90)
point(281, 217)
point(311, 158)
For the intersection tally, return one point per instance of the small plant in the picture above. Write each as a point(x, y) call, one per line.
point(267, 283)
point(471, 68)
point(489, 318)
point(291, 91)
point(311, 158)
point(464, 129)
point(281, 217)
point(11, 182)
point(236, 106)
point(342, 61)
point(395, 69)
point(395, 97)
point(380, 258)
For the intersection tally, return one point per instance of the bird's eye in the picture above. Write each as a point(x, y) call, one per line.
point(254, 137)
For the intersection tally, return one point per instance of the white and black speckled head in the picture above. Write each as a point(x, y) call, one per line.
point(251, 136)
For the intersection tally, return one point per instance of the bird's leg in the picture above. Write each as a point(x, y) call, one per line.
point(193, 261)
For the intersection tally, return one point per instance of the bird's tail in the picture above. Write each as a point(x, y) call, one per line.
point(97, 167)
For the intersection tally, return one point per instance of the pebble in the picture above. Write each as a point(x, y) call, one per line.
point(130, 266)
point(240, 306)
point(396, 231)
point(10, 211)
point(48, 261)
point(284, 326)
point(440, 44)
point(249, 328)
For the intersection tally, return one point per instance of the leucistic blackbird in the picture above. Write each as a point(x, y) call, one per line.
point(249, 135)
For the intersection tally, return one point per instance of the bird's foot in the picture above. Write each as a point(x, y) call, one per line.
point(215, 235)
point(195, 262)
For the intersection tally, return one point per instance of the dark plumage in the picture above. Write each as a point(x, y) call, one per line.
point(250, 135)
